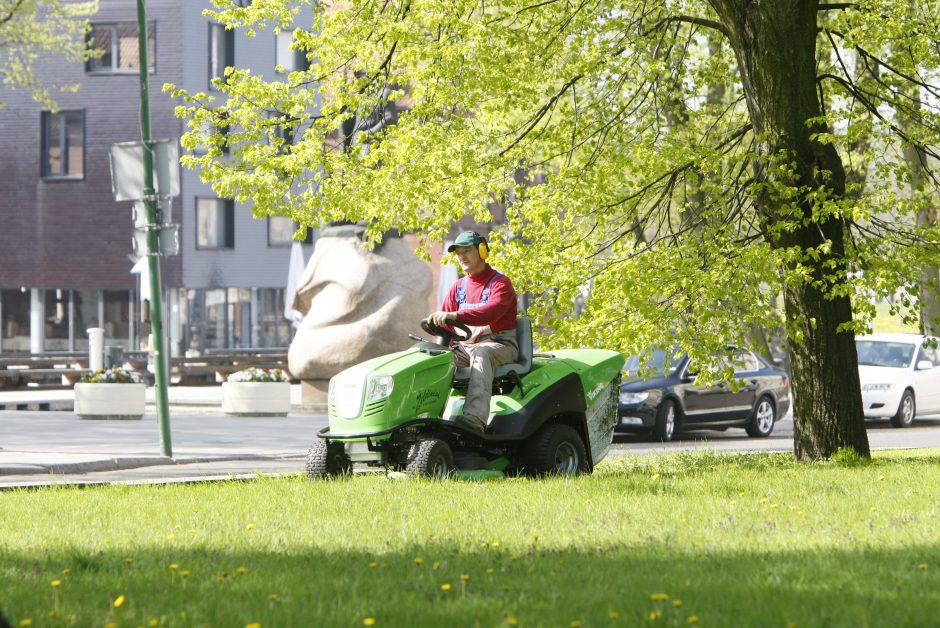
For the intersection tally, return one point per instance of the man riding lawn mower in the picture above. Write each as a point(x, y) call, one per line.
point(548, 414)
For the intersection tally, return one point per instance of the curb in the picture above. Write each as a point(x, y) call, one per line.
point(120, 464)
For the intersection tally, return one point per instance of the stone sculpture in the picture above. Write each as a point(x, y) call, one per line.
point(357, 304)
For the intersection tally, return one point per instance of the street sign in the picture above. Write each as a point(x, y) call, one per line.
point(167, 236)
point(127, 169)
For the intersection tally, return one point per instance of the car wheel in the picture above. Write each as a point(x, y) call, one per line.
point(326, 459)
point(761, 423)
point(906, 410)
point(430, 457)
point(556, 449)
point(666, 420)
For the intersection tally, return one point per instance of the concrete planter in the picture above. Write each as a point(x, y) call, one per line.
point(110, 401)
point(256, 398)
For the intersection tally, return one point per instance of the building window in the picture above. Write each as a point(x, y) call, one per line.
point(215, 223)
point(281, 231)
point(288, 60)
point(221, 51)
point(63, 145)
point(118, 48)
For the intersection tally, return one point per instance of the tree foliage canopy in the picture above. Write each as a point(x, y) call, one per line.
point(647, 152)
point(30, 30)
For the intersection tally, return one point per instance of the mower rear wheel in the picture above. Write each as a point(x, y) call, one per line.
point(325, 459)
point(556, 449)
point(430, 457)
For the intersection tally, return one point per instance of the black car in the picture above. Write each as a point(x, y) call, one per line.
point(671, 401)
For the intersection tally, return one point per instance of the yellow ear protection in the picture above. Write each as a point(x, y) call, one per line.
point(484, 250)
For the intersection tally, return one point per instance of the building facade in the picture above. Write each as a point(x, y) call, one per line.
point(66, 245)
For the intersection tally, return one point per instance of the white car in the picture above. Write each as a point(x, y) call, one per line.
point(900, 376)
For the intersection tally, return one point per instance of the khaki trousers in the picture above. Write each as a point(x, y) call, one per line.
point(483, 357)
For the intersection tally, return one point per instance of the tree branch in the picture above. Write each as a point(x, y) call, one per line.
point(688, 19)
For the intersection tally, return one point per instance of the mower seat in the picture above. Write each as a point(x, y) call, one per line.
point(523, 363)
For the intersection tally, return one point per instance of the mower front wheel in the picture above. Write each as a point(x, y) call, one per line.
point(430, 457)
point(325, 459)
point(556, 449)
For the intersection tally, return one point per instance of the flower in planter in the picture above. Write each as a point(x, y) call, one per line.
point(116, 375)
point(258, 375)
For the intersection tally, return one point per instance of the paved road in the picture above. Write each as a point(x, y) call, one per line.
point(42, 447)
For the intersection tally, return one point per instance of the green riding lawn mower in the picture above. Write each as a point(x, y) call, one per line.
point(551, 413)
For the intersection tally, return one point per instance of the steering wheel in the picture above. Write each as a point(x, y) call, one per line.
point(434, 330)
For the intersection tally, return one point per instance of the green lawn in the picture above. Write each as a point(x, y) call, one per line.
point(886, 322)
point(742, 540)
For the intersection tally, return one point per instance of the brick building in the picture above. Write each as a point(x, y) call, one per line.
point(65, 244)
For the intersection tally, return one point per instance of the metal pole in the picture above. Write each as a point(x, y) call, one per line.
point(153, 242)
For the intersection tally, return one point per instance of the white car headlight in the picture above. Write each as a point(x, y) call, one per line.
point(630, 398)
point(877, 387)
point(379, 387)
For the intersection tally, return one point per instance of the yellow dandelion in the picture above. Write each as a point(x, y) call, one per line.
point(53, 614)
point(250, 526)
point(118, 601)
point(484, 544)
point(762, 500)
point(436, 565)
point(464, 576)
point(110, 625)
point(922, 566)
point(655, 477)
point(575, 623)
point(26, 622)
point(170, 537)
point(659, 597)
point(419, 561)
point(654, 615)
point(273, 597)
point(177, 526)
point(677, 603)
point(742, 494)
point(184, 574)
point(490, 571)
point(494, 544)
point(242, 570)
point(153, 622)
point(434, 537)
point(881, 477)
point(613, 614)
point(693, 619)
point(368, 621)
point(734, 503)
point(512, 621)
point(253, 624)
point(445, 587)
point(174, 566)
point(872, 509)
point(66, 571)
point(56, 584)
point(373, 565)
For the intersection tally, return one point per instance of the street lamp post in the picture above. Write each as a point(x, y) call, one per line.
point(153, 243)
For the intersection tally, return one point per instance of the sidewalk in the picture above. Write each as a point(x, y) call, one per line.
point(43, 447)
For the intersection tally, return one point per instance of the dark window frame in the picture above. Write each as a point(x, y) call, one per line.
point(217, 67)
point(45, 118)
point(228, 210)
point(290, 241)
point(91, 66)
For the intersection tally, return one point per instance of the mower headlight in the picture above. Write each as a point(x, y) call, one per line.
point(877, 387)
point(632, 398)
point(379, 387)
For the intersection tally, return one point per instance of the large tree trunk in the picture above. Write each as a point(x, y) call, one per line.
point(775, 46)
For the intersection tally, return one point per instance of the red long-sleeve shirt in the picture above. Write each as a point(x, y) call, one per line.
point(499, 311)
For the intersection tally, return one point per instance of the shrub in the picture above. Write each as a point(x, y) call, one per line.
point(116, 375)
point(259, 375)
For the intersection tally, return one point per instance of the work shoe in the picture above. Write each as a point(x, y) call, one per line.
point(470, 422)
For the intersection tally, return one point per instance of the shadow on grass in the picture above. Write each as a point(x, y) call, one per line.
point(435, 584)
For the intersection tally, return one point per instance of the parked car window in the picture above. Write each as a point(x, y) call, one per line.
point(744, 361)
point(657, 361)
point(890, 354)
